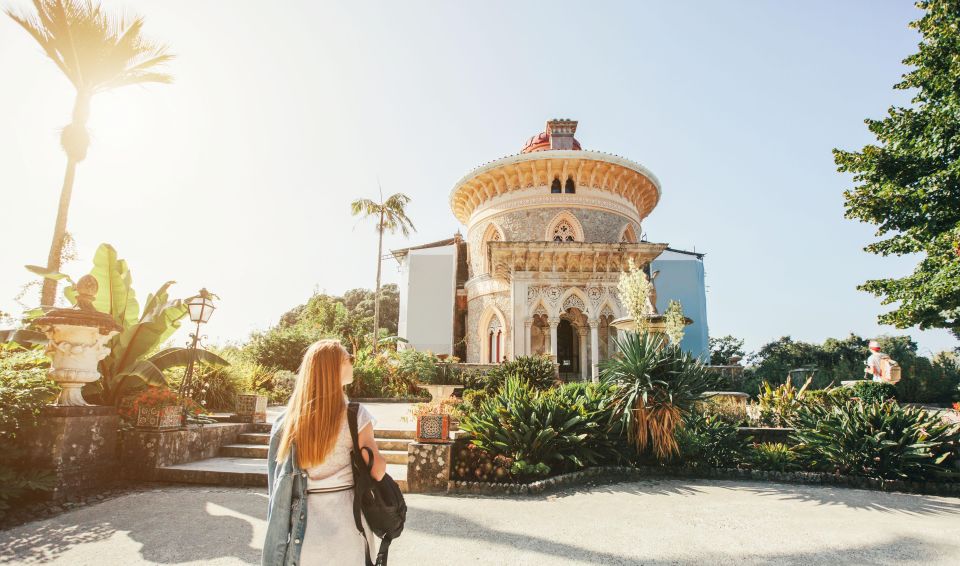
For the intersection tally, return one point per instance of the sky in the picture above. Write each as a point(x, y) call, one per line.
point(238, 176)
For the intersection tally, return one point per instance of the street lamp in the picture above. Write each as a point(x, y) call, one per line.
point(199, 307)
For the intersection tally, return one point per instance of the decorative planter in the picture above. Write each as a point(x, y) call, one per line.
point(77, 342)
point(439, 393)
point(251, 408)
point(167, 417)
point(433, 429)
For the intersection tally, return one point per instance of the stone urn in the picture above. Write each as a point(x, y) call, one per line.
point(439, 393)
point(77, 342)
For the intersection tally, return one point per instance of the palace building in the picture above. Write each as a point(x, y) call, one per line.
point(549, 230)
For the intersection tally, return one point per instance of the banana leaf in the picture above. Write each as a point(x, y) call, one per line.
point(180, 357)
point(115, 295)
point(160, 319)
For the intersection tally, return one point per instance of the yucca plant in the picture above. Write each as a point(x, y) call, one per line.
point(877, 440)
point(654, 385)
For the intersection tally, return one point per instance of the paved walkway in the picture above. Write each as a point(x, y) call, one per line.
point(649, 522)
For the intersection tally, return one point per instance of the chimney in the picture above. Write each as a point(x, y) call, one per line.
point(561, 133)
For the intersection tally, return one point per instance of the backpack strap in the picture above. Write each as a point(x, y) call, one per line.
point(358, 482)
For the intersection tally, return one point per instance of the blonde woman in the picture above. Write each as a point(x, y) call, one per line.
point(309, 475)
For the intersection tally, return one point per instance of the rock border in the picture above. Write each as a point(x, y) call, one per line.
point(627, 473)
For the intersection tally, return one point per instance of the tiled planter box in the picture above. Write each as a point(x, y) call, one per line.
point(433, 429)
point(159, 418)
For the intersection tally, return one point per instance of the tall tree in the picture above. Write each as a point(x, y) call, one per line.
point(97, 52)
point(908, 184)
point(391, 216)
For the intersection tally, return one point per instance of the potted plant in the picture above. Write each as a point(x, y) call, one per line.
point(155, 409)
point(433, 421)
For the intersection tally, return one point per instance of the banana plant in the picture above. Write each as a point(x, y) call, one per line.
point(135, 360)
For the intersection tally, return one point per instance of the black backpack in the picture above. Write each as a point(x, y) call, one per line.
point(380, 502)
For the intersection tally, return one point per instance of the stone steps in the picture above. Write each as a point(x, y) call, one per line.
point(392, 444)
point(244, 451)
point(244, 463)
point(247, 472)
point(262, 438)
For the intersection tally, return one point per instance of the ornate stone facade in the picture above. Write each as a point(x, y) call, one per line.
point(548, 233)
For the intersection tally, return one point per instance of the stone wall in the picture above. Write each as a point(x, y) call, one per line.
point(142, 452)
point(78, 444)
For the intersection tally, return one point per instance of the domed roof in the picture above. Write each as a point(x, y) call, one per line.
point(541, 142)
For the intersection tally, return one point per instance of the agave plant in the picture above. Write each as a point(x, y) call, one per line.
point(654, 385)
point(135, 358)
point(542, 432)
point(878, 440)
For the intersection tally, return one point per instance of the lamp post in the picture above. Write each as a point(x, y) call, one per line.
point(199, 307)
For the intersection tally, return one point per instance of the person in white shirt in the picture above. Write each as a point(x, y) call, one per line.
point(873, 368)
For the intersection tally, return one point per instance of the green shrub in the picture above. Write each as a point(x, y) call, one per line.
point(283, 382)
point(877, 440)
point(773, 457)
point(708, 440)
point(538, 371)
point(777, 406)
point(473, 398)
point(540, 432)
point(369, 373)
point(218, 386)
point(24, 390)
point(414, 366)
point(281, 347)
point(873, 391)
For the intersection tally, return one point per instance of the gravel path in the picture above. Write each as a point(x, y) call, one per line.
point(648, 522)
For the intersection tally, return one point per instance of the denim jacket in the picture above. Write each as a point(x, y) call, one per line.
point(287, 512)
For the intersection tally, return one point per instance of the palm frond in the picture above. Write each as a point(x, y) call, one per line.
point(365, 207)
point(94, 51)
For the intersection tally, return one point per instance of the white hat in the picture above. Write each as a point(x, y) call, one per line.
point(874, 345)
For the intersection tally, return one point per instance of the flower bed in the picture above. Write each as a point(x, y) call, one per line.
point(626, 473)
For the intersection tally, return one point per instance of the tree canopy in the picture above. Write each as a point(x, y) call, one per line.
point(908, 183)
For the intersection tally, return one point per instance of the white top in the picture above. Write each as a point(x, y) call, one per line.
point(335, 471)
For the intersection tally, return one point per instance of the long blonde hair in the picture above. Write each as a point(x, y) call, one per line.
point(317, 406)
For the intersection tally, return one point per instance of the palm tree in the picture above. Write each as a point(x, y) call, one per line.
point(97, 53)
point(391, 216)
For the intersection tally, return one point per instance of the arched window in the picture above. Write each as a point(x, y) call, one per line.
point(570, 188)
point(564, 227)
point(555, 186)
point(628, 236)
point(563, 232)
point(494, 340)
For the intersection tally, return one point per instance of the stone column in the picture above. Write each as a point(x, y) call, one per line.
point(428, 467)
point(554, 322)
point(527, 329)
point(582, 333)
point(595, 349)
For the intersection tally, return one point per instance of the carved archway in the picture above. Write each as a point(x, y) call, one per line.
point(628, 235)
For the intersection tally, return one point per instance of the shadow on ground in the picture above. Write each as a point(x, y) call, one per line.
point(453, 527)
point(171, 527)
point(910, 504)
